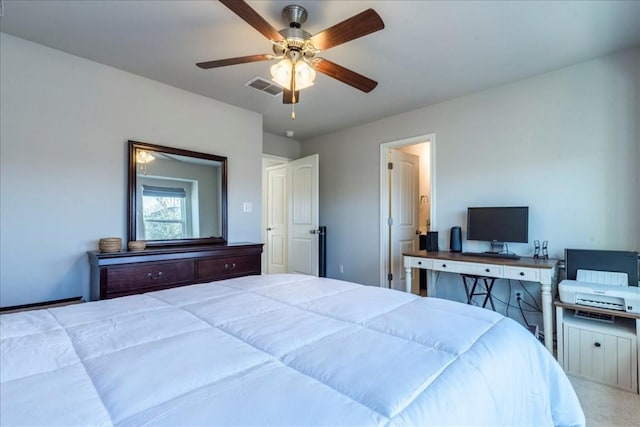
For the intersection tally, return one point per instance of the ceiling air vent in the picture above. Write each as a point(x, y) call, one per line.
point(264, 86)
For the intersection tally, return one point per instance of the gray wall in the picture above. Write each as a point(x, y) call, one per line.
point(280, 146)
point(564, 143)
point(63, 153)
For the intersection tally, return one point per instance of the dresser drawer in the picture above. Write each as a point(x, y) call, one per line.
point(222, 268)
point(522, 273)
point(127, 273)
point(148, 276)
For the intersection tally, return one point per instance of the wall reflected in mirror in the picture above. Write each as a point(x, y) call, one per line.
point(177, 197)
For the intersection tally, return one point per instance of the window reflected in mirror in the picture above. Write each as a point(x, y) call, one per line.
point(180, 196)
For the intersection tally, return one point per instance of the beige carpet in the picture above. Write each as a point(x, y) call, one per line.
point(606, 406)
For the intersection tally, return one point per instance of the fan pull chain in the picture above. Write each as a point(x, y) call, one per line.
point(293, 93)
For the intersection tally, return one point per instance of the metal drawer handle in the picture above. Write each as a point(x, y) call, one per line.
point(150, 276)
point(597, 344)
point(419, 262)
point(230, 267)
point(487, 270)
point(444, 265)
point(522, 273)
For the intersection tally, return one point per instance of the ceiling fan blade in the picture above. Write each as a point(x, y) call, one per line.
point(244, 11)
point(287, 97)
point(364, 23)
point(233, 61)
point(345, 75)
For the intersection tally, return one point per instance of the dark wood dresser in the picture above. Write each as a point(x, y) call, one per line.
point(125, 273)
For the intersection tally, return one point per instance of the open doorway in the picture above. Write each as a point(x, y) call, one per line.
point(407, 208)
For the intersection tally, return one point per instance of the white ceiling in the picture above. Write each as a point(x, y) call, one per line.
point(429, 51)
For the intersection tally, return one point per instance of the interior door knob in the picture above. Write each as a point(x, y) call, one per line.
point(269, 228)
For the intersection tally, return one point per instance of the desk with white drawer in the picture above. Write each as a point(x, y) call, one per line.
point(542, 271)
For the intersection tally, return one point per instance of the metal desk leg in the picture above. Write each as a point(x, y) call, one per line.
point(488, 285)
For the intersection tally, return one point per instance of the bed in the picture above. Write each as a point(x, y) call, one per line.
point(282, 349)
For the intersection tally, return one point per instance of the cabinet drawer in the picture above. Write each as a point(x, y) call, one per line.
point(149, 276)
point(222, 268)
point(522, 273)
point(441, 265)
point(419, 262)
point(490, 270)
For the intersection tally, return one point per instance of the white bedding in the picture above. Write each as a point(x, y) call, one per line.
point(277, 350)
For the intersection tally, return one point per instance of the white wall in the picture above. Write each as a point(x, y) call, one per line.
point(65, 125)
point(565, 143)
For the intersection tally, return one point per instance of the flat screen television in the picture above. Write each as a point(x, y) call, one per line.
point(498, 225)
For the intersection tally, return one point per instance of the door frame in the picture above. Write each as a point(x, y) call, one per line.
point(384, 192)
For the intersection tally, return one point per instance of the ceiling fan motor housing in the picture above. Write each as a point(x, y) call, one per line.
point(295, 15)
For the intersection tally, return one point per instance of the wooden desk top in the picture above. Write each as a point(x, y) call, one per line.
point(457, 256)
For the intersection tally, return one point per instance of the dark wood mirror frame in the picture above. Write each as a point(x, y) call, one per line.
point(132, 186)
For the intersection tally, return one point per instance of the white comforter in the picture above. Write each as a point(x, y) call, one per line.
point(277, 350)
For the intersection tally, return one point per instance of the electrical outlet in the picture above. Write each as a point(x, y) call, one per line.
point(517, 295)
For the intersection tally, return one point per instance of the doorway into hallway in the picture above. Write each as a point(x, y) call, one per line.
point(407, 208)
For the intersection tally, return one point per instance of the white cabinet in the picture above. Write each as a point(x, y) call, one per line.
point(599, 351)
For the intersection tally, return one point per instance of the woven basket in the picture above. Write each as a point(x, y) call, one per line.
point(137, 245)
point(110, 244)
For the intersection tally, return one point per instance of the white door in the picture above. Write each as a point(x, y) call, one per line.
point(404, 195)
point(277, 208)
point(303, 215)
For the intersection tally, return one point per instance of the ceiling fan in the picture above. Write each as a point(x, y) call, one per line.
point(297, 49)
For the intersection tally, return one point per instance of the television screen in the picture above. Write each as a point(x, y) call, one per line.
point(500, 224)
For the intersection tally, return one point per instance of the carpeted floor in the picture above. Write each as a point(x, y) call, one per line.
point(606, 406)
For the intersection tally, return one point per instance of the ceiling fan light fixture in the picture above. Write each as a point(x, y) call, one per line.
point(143, 157)
point(281, 73)
point(304, 74)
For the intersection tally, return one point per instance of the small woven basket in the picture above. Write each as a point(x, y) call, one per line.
point(137, 245)
point(110, 244)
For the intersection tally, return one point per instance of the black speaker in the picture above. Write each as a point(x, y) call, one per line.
point(455, 243)
point(432, 241)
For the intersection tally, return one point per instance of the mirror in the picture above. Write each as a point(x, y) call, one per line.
point(176, 197)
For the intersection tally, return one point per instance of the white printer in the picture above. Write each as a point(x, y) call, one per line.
point(604, 279)
point(601, 289)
